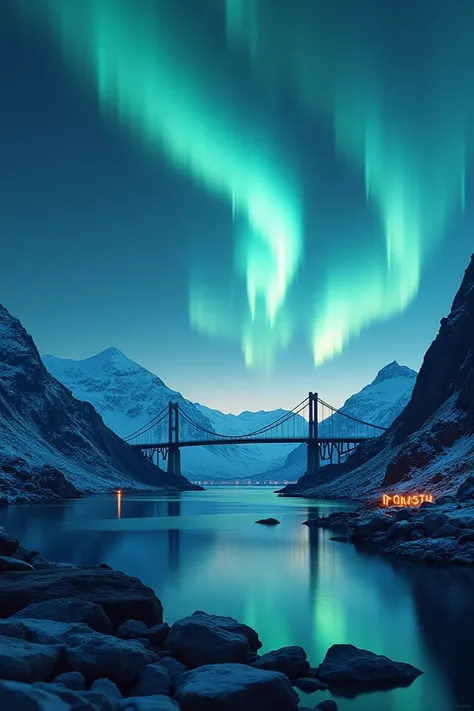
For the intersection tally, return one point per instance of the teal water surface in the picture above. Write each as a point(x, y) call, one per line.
point(203, 551)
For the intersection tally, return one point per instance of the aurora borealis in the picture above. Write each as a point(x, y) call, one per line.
point(266, 108)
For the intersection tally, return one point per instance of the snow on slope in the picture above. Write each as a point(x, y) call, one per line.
point(378, 403)
point(128, 396)
point(430, 445)
point(49, 441)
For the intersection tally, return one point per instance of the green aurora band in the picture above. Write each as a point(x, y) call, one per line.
point(166, 94)
point(391, 82)
point(400, 107)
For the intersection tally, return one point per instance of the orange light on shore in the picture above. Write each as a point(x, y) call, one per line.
point(413, 500)
point(119, 503)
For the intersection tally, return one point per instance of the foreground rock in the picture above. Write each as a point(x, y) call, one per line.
point(346, 665)
point(441, 532)
point(68, 610)
point(120, 596)
point(95, 635)
point(25, 661)
point(42, 631)
point(201, 639)
point(287, 660)
point(15, 696)
point(153, 679)
point(96, 656)
point(7, 563)
point(234, 687)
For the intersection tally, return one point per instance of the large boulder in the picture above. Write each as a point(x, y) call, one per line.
point(121, 596)
point(132, 629)
point(71, 680)
point(25, 661)
point(447, 530)
point(8, 543)
point(199, 640)
point(231, 625)
point(147, 703)
point(400, 530)
point(68, 610)
point(153, 679)
point(42, 631)
point(380, 522)
point(287, 660)
point(74, 700)
point(96, 656)
point(15, 697)
point(106, 688)
point(7, 563)
point(433, 521)
point(157, 634)
point(346, 665)
point(233, 687)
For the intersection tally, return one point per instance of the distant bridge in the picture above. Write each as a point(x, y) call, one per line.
point(328, 433)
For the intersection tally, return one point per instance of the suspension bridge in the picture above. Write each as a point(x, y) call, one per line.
point(329, 433)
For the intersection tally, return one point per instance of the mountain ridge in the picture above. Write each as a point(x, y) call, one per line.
point(52, 444)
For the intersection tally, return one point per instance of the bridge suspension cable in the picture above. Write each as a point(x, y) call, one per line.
point(350, 417)
point(280, 421)
point(149, 425)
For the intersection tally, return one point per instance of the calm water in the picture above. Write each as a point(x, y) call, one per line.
point(203, 551)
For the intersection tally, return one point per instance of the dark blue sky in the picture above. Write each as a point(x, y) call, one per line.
point(104, 236)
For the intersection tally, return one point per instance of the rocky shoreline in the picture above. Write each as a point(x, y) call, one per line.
point(94, 639)
point(437, 532)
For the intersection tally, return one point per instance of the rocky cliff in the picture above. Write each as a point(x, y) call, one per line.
point(52, 444)
point(431, 443)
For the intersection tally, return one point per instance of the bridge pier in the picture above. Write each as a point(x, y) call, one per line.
point(174, 454)
point(312, 448)
point(174, 460)
point(313, 460)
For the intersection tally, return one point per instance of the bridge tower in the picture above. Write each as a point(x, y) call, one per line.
point(312, 465)
point(174, 454)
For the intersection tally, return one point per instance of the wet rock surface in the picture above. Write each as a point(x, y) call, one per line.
point(233, 687)
point(120, 596)
point(439, 533)
point(347, 666)
point(105, 648)
point(68, 610)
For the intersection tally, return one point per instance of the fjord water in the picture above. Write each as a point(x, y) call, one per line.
point(203, 551)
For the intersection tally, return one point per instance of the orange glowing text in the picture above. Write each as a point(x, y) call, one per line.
point(398, 500)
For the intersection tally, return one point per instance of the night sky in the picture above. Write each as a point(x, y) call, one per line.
point(251, 198)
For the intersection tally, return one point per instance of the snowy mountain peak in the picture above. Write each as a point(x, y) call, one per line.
point(109, 361)
point(394, 370)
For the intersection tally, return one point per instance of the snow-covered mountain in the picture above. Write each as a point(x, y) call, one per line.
point(50, 443)
point(379, 403)
point(430, 445)
point(128, 396)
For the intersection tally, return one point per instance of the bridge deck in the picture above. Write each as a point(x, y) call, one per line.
point(254, 440)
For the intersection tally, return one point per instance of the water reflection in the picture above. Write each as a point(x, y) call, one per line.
point(202, 550)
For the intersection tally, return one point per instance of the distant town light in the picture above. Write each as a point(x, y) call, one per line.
point(413, 500)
